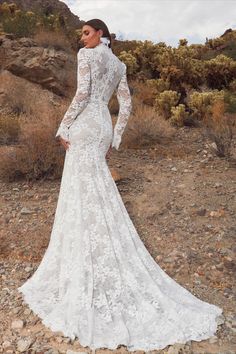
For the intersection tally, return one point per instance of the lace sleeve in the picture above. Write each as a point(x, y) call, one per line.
point(81, 97)
point(124, 99)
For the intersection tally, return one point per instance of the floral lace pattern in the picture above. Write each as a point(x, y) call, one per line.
point(98, 76)
point(97, 281)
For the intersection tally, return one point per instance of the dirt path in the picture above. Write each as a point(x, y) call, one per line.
point(181, 198)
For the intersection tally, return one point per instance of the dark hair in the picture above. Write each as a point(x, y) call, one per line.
point(97, 25)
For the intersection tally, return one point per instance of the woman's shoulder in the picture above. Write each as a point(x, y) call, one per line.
point(84, 51)
point(122, 65)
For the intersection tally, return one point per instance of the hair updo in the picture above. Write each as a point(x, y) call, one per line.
point(97, 25)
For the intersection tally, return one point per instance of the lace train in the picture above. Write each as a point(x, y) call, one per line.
point(97, 281)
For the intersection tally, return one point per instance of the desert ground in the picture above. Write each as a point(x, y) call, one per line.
point(181, 198)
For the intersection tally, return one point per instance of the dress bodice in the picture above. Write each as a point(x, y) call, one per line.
point(100, 72)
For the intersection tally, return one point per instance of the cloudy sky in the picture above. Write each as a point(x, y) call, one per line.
point(160, 20)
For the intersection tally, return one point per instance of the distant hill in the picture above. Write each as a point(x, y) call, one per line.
point(48, 7)
point(224, 44)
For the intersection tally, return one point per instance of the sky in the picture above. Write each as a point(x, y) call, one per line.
point(160, 20)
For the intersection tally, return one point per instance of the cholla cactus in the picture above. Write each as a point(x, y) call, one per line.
point(165, 101)
point(183, 42)
point(130, 61)
point(201, 102)
point(215, 43)
point(78, 33)
point(5, 10)
point(232, 86)
point(220, 71)
point(178, 115)
point(159, 85)
point(30, 13)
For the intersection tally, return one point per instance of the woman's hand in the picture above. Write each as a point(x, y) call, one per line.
point(64, 142)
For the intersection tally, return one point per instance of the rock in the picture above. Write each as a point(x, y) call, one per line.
point(25, 211)
point(176, 349)
point(16, 310)
point(24, 344)
point(17, 324)
point(169, 259)
point(7, 345)
point(27, 311)
point(201, 212)
point(52, 351)
point(213, 339)
point(44, 66)
point(217, 213)
point(213, 146)
point(28, 269)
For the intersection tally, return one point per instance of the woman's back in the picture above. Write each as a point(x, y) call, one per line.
point(99, 73)
point(106, 72)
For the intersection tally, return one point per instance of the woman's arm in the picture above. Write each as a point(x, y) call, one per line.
point(80, 99)
point(125, 103)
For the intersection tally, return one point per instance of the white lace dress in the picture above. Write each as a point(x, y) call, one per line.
point(96, 280)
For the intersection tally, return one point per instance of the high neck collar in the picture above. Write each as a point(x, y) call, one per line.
point(101, 44)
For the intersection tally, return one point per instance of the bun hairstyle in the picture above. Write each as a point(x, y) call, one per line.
point(97, 25)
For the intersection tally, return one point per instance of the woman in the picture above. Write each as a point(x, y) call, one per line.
point(97, 281)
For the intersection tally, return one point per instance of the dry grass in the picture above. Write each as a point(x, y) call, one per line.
point(38, 154)
point(37, 114)
point(53, 39)
point(219, 128)
point(9, 128)
point(20, 96)
point(145, 127)
point(143, 93)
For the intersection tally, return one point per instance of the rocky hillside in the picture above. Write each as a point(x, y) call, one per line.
point(48, 7)
point(48, 67)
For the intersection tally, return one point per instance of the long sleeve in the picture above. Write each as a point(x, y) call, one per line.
point(125, 107)
point(82, 94)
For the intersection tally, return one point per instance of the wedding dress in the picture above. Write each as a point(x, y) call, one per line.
point(97, 282)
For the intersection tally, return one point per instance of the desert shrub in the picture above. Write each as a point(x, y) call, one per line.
point(52, 39)
point(230, 100)
point(7, 10)
point(130, 61)
point(9, 128)
point(21, 24)
point(178, 115)
point(26, 23)
point(145, 127)
point(220, 72)
point(165, 101)
point(200, 102)
point(36, 156)
point(144, 92)
point(145, 55)
point(159, 85)
point(215, 43)
point(232, 86)
point(219, 129)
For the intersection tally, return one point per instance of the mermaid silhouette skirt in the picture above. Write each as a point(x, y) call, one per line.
point(96, 281)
